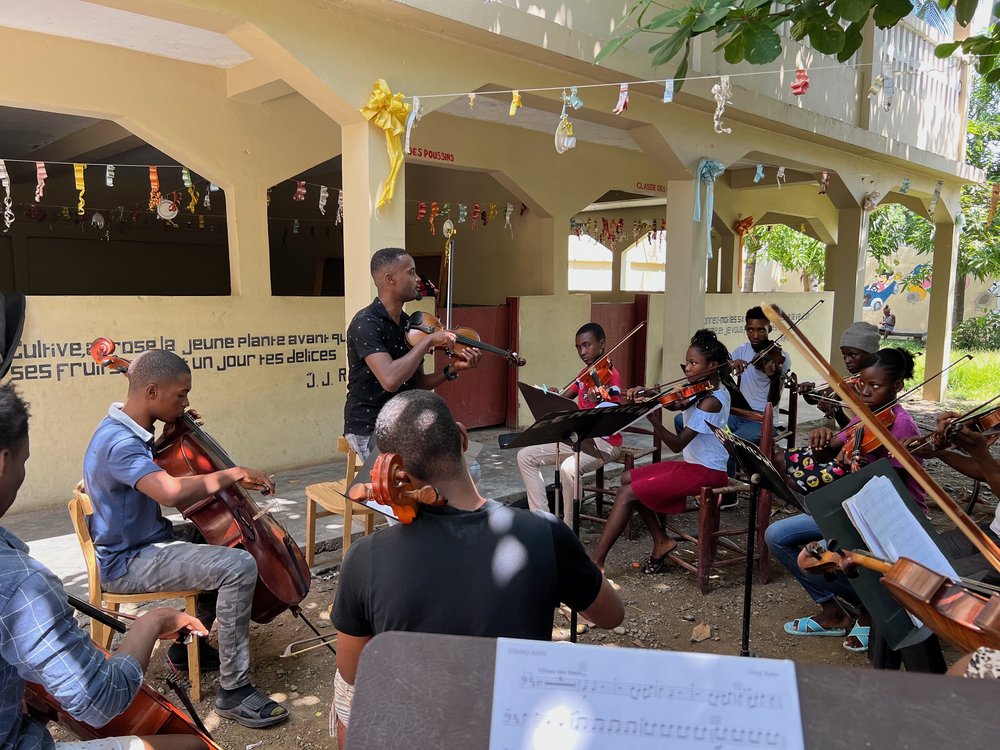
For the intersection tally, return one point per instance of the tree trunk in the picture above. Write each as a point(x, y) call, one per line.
point(958, 310)
point(749, 271)
point(806, 281)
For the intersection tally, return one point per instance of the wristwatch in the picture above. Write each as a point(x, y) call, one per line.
point(450, 372)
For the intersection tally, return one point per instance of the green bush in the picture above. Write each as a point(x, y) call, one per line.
point(979, 334)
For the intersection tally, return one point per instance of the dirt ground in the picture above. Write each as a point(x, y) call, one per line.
point(661, 612)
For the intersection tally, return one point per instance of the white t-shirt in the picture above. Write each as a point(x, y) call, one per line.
point(705, 448)
point(754, 384)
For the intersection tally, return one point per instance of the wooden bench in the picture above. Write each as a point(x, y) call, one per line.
point(917, 336)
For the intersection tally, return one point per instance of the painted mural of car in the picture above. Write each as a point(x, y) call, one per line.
point(878, 292)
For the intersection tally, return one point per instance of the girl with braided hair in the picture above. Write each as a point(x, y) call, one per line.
point(664, 487)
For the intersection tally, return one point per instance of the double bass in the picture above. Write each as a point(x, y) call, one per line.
point(229, 518)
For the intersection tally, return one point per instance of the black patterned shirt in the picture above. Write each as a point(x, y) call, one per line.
point(372, 330)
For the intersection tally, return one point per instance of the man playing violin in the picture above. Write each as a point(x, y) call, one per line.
point(41, 641)
point(761, 368)
point(469, 567)
point(590, 343)
point(858, 342)
point(380, 361)
point(139, 551)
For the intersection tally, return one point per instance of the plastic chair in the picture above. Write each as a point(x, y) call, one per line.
point(79, 508)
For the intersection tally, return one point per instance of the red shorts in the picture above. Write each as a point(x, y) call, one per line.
point(665, 486)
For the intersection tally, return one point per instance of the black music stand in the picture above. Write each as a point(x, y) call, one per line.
point(762, 476)
point(576, 428)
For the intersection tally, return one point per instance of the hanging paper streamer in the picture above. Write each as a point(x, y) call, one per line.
point(388, 112)
point(994, 201)
point(192, 193)
point(515, 103)
point(780, 177)
point(723, 93)
point(340, 207)
point(523, 210)
point(475, 215)
point(870, 202)
point(876, 88)
point(40, 176)
point(472, 100)
point(411, 122)
point(295, 227)
point(491, 212)
point(463, 213)
point(446, 210)
point(759, 174)
point(622, 104)
point(507, 213)
point(824, 183)
point(154, 189)
point(564, 138)
point(201, 221)
point(888, 92)
point(668, 91)
point(485, 218)
point(435, 210)
point(573, 99)
point(324, 196)
point(185, 177)
point(109, 175)
point(935, 198)
point(421, 210)
point(8, 213)
point(708, 171)
point(905, 187)
point(300, 191)
point(801, 83)
point(81, 187)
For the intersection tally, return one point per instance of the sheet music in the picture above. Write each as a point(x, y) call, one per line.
point(889, 528)
point(555, 695)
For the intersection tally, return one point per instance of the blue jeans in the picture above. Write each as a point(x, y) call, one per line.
point(785, 539)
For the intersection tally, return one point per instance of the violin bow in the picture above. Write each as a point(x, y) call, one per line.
point(607, 354)
point(956, 422)
point(954, 512)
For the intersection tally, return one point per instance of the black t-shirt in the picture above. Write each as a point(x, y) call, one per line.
point(372, 330)
point(493, 572)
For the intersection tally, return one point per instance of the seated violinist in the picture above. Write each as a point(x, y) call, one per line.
point(826, 459)
point(761, 368)
point(468, 567)
point(139, 551)
point(664, 487)
point(975, 461)
point(41, 641)
point(857, 343)
point(590, 343)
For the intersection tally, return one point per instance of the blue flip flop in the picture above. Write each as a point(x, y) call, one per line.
point(807, 626)
point(862, 633)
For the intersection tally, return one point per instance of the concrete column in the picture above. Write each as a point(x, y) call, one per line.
point(729, 260)
point(558, 252)
point(249, 254)
point(845, 270)
point(940, 314)
point(365, 168)
point(684, 296)
point(712, 280)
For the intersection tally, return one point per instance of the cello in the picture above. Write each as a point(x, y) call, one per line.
point(148, 714)
point(229, 518)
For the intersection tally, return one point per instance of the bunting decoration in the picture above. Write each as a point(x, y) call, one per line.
point(324, 196)
point(824, 183)
point(573, 100)
point(507, 213)
point(801, 83)
point(515, 103)
point(388, 112)
point(81, 187)
point(435, 210)
point(154, 189)
point(300, 191)
point(708, 171)
point(905, 187)
point(723, 93)
point(40, 176)
point(758, 175)
point(622, 104)
point(340, 208)
point(668, 91)
point(109, 175)
point(411, 121)
point(780, 177)
point(8, 214)
point(932, 208)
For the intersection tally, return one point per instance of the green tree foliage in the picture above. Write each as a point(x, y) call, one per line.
point(892, 226)
point(793, 251)
point(746, 30)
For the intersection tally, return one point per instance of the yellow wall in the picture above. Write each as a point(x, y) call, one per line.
point(266, 414)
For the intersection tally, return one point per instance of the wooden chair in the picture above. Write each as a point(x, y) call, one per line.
point(79, 508)
point(627, 457)
point(331, 497)
point(710, 540)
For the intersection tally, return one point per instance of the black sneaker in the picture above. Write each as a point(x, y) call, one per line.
point(207, 654)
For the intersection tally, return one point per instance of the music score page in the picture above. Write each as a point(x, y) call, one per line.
point(582, 697)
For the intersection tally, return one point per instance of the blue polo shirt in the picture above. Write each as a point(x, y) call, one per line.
point(124, 519)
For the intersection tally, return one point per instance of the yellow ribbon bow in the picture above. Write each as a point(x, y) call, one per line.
point(388, 111)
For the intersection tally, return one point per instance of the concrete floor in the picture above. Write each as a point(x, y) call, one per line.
point(50, 535)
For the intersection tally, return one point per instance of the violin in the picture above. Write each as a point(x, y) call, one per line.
point(392, 486)
point(229, 518)
point(681, 393)
point(149, 713)
point(423, 324)
point(813, 394)
point(770, 354)
point(598, 375)
point(954, 610)
point(860, 440)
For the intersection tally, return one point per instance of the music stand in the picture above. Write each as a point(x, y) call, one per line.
point(576, 428)
point(762, 476)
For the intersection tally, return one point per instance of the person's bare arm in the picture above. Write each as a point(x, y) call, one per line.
point(161, 623)
point(607, 611)
point(392, 373)
point(170, 491)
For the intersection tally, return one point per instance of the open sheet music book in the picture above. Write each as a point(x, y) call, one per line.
point(890, 530)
